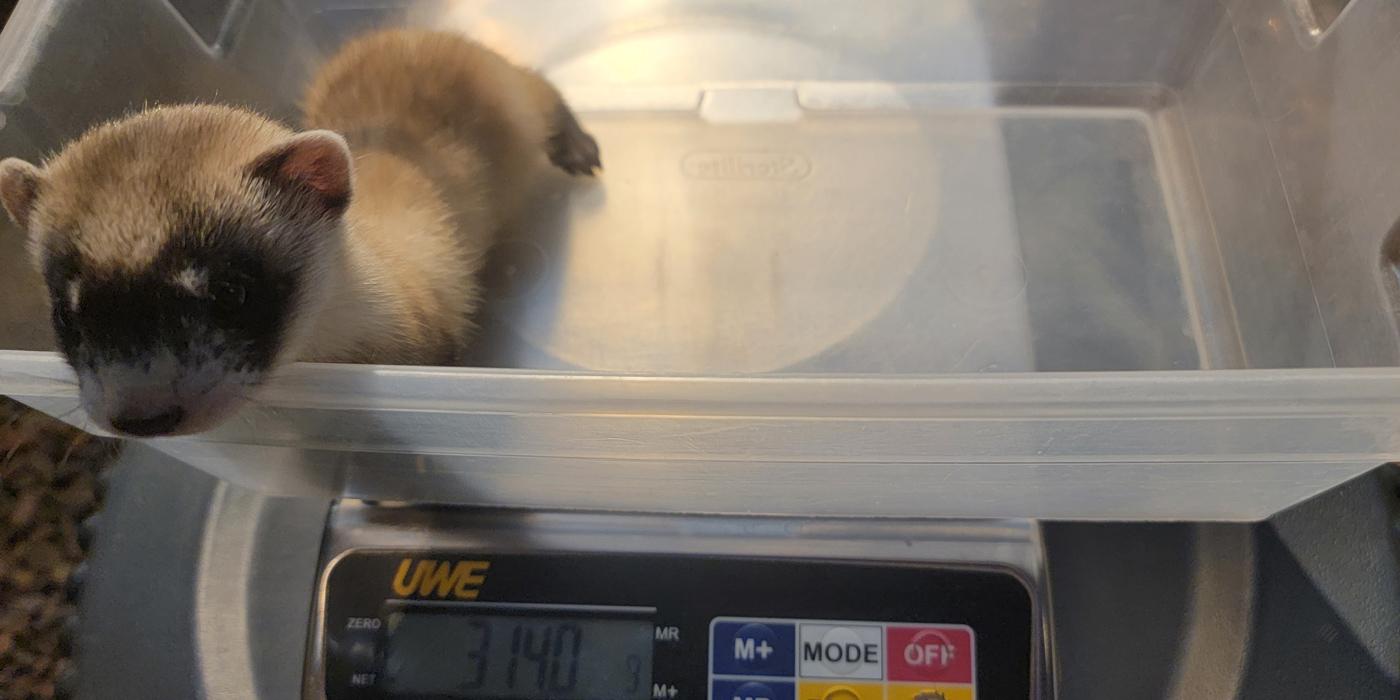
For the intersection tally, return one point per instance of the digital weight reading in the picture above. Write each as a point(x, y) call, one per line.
point(523, 654)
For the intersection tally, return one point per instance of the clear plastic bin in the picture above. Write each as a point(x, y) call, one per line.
point(964, 258)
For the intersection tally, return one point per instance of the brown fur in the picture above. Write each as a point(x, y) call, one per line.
point(446, 136)
point(478, 113)
point(115, 193)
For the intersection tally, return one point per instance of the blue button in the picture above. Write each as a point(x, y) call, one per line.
point(753, 690)
point(754, 649)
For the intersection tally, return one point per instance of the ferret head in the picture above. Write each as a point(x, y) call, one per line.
point(186, 251)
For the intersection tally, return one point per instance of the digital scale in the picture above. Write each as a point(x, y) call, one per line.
point(905, 350)
point(242, 595)
point(593, 607)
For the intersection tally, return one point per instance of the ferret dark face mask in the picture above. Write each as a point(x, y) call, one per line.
point(175, 294)
point(179, 345)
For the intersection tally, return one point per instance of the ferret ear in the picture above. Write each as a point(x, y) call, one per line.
point(19, 189)
point(312, 168)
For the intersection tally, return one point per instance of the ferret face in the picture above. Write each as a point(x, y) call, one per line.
point(180, 343)
point(178, 283)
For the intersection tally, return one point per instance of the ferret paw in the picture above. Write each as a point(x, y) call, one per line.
point(573, 150)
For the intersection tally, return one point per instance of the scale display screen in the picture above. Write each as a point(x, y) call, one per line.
point(504, 653)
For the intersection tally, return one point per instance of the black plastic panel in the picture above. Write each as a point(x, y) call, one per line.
point(687, 594)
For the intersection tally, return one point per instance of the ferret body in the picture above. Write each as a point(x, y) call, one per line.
point(190, 250)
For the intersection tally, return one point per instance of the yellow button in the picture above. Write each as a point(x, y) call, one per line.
point(840, 691)
point(931, 691)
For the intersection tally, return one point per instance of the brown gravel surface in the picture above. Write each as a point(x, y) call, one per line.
point(49, 484)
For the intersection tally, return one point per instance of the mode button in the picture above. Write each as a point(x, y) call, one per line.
point(841, 651)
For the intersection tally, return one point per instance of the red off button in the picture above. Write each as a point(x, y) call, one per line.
point(930, 653)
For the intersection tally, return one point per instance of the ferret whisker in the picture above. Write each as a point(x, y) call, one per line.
point(251, 399)
point(76, 407)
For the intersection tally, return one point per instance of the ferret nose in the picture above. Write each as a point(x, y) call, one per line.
point(142, 425)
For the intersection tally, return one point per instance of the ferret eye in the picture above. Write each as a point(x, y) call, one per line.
point(228, 295)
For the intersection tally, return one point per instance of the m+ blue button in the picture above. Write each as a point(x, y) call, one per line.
point(754, 649)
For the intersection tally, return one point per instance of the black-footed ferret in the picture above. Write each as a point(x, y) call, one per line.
point(190, 250)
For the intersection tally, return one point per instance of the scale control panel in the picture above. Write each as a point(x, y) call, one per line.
point(841, 660)
point(577, 626)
